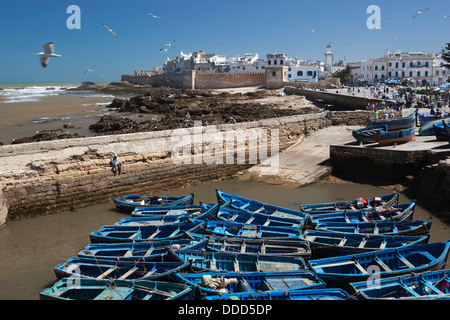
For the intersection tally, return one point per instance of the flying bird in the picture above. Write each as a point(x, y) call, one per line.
point(167, 46)
point(420, 12)
point(445, 17)
point(90, 69)
point(109, 30)
point(153, 16)
point(49, 52)
point(394, 38)
point(312, 30)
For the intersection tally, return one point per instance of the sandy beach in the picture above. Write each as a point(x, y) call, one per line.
point(24, 119)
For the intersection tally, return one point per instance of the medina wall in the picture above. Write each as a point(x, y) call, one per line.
point(228, 80)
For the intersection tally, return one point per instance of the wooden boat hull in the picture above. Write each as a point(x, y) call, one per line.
point(431, 285)
point(396, 123)
point(237, 262)
point(343, 270)
point(116, 233)
point(219, 283)
point(427, 128)
point(248, 231)
point(110, 269)
point(247, 217)
point(440, 132)
point(286, 295)
point(129, 202)
point(401, 212)
point(238, 202)
point(405, 228)
point(105, 289)
point(331, 244)
point(261, 247)
point(159, 212)
point(209, 212)
point(137, 251)
point(356, 204)
point(400, 136)
point(368, 134)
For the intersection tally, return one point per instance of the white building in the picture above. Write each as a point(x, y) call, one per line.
point(417, 68)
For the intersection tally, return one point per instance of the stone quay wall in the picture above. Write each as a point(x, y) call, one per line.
point(426, 173)
point(54, 176)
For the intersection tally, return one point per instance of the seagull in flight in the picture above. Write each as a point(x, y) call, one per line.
point(90, 69)
point(167, 46)
point(420, 12)
point(153, 16)
point(109, 30)
point(49, 52)
point(312, 30)
point(394, 38)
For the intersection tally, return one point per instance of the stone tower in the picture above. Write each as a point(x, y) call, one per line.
point(329, 59)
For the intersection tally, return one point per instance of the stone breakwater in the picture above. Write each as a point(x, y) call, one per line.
point(54, 176)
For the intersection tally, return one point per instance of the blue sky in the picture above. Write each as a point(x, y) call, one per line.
point(232, 27)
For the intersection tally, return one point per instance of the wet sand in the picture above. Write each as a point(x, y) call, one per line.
point(23, 119)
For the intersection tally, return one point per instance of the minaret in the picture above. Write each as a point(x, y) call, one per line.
point(329, 58)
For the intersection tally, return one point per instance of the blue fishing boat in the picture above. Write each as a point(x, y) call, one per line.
point(427, 128)
point(248, 217)
point(405, 228)
point(286, 295)
point(368, 134)
point(138, 251)
point(236, 262)
point(105, 289)
point(209, 212)
point(129, 202)
point(238, 202)
point(156, 212)
point(440, 132)
point(352, 205)
point(330, 244)
point(219, 283)
point(273, 247)
point(400, 212)
point(389, 138)
point(343, 270)
point(252, 231)
point(118, 270)
point(117, 233)
point(447, 128)
point(396, 123)
point(431, 285)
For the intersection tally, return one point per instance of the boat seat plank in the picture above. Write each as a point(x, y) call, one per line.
point(154, 234)
point(149, 251)
point(114, 293)
point(428, 255)
point(405, 261)
point(129, 253)
point(107, 272)
point(245, 286)
point(360, 268)
point(431, 286)
point(134, 235)
point(128, 273)
point(382, 264)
